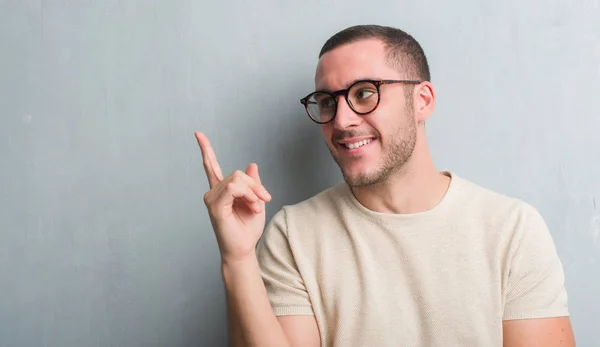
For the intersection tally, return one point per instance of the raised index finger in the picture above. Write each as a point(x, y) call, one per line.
point(209, 159)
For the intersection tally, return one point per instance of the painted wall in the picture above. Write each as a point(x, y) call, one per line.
point(104, 237)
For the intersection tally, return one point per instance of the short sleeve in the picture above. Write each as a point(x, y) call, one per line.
point(285, 287)
point(535, 287)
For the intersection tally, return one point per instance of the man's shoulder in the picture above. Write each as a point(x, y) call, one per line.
point(485, 202)
point(322, 207)
point(323, 201)
point(471, 190)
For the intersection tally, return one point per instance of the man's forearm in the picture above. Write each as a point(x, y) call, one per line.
point(251, 319)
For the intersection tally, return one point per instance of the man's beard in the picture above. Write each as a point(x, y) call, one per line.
point(394, 155)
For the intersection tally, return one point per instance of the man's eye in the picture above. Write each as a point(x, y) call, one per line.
point(364, 94)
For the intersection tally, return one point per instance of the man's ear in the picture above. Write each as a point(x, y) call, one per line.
point(423, 101)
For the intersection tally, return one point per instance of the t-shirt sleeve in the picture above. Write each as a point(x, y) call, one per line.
point(285, 287)
point(535, 287)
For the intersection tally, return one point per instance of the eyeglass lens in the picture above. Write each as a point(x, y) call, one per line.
point(362, 98)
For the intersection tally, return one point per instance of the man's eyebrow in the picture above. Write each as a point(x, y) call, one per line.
point(347, 84)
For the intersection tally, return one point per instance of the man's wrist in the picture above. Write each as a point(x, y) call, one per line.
point(232, 268)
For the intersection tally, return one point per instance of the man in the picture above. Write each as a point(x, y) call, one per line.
point(400, 254)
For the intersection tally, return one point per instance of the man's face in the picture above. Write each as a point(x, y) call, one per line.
point(386, 137)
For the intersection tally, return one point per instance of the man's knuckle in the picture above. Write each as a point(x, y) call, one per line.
point(238, 179)
point(231, 186)
point(207, 197)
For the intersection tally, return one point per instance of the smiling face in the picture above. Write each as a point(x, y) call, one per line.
point(368, 148)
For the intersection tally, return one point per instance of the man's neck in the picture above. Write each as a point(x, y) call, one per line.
point(415, 188)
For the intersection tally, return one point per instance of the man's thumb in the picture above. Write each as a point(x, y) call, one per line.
point(252, 171)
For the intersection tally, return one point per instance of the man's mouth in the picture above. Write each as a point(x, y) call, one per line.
point(354, 144)
point(357, 144)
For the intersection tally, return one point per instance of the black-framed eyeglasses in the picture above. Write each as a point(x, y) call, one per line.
point(362, 96)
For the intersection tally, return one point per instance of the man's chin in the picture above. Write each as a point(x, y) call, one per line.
point(360, 179)
point(367, 178)
point(358, 174)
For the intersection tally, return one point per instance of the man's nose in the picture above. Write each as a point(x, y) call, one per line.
point(345, 117)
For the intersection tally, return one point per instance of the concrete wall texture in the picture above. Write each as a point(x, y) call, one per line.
point(104, 237)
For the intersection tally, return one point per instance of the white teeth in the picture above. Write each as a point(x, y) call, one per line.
point(358, 144)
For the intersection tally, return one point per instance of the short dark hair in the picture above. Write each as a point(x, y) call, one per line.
point(403, 51)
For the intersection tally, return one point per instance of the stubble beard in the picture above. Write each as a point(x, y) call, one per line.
point(394, 156)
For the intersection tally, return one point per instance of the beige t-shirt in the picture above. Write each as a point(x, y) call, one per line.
point(445, 277)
